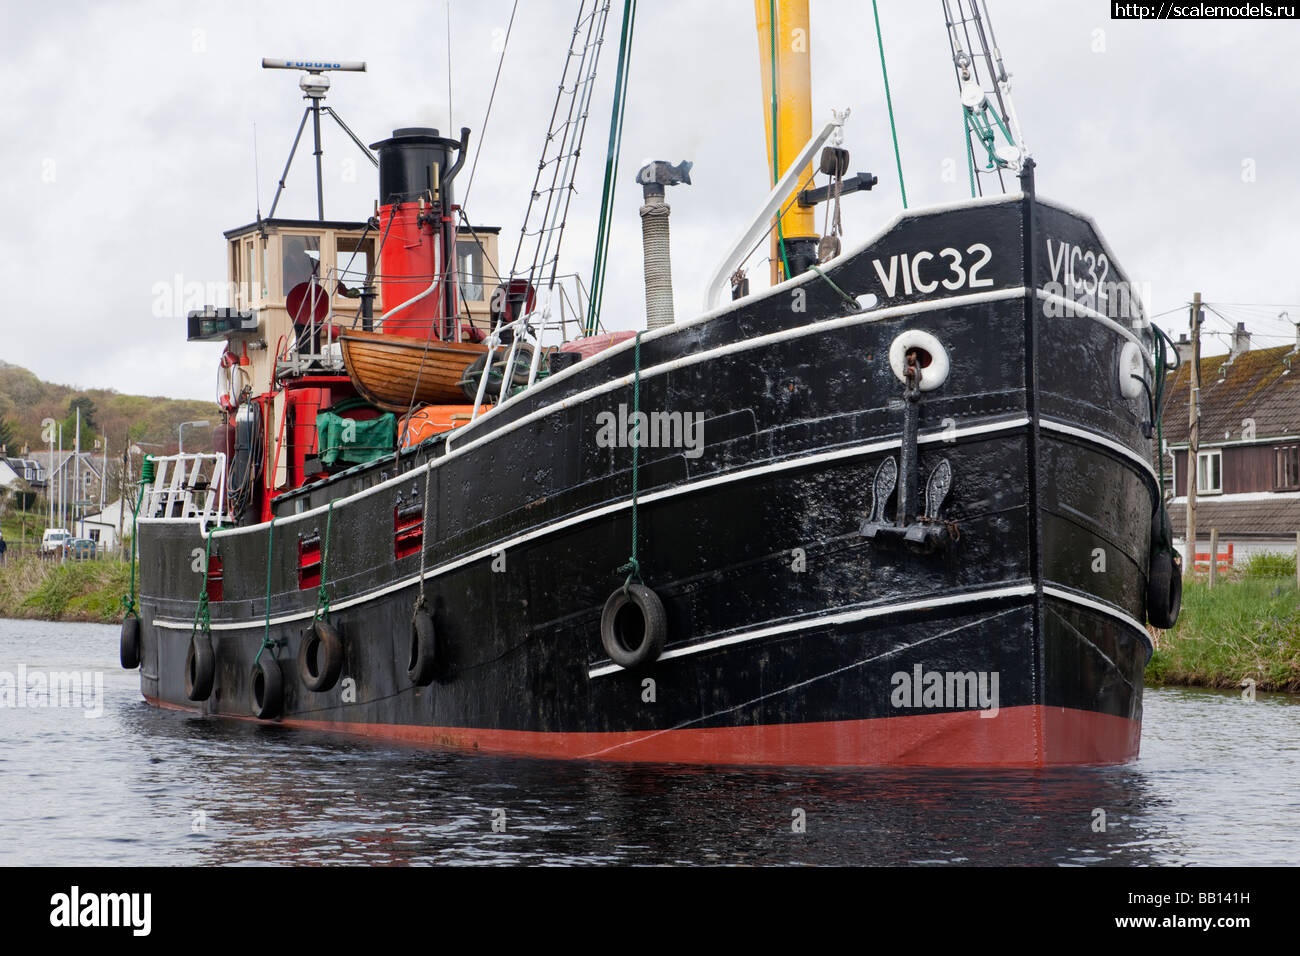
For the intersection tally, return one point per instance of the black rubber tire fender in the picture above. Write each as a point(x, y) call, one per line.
point(320, 656)
point(129, 644)
point(200, 668)
point(633, 626)
point(423, 655)
point(266, 688)
point(1164, 589)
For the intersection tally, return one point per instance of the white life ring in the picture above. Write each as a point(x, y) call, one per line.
point(933, 374)
point(232, 379)
point(1132, 370)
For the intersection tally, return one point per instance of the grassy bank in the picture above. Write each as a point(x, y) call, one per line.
point(1246, 627)
point(68, 591)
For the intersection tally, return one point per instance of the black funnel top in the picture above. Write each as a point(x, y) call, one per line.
point(405, 160)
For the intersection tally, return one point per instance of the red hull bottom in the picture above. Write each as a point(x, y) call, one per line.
point(1030, 736)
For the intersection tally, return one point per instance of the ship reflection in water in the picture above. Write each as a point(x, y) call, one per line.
point(289, 797)
point(1214, 786)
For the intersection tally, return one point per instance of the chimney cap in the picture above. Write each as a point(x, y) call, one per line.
point(1240, 342)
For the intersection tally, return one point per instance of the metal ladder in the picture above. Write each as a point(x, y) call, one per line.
point(548, 206)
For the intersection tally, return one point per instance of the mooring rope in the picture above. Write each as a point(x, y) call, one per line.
point(266, 629)
point(128, 600)
point(633, 566)
point(322, 592)
point(201, 613)
point(424, 533)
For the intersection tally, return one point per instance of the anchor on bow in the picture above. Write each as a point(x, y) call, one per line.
point(926, 530)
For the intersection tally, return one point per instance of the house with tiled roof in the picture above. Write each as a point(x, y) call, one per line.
point(1247, 469)
point(21, 477)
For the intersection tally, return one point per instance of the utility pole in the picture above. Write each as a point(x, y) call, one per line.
point(79, 491)
point(1193, 432)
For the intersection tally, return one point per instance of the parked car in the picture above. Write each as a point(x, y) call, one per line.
point(55, 541)
point(79, 549)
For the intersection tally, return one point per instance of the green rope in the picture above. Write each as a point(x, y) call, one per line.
point(893, 130)
point(978, 123)
point(266, 630)
point(322, 593)
point(843, 295)
point(981, 127)
point(128, 600)
point(983, 132)
point(970, 151)
point(611, 169)
point(201, 613)
point(776, 171)
point(633, 567)
point(1158, 400)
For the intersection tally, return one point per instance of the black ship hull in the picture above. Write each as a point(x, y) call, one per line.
point(803, 624)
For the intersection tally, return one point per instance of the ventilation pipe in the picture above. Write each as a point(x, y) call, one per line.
point(653, 177)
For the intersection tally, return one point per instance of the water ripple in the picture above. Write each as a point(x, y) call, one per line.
point(1216, 784)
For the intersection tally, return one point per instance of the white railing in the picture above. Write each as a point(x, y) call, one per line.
point(187, 488)
point(559, 316)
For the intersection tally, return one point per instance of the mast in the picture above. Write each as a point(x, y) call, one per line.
point(783, 30)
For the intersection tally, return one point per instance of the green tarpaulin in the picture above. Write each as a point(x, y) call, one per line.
point(347, 441)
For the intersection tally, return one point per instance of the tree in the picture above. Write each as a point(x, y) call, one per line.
point(8, 437)
point(87, 412)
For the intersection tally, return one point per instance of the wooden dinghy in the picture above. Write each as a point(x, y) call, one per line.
point(396, 373)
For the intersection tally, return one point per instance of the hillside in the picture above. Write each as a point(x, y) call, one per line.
point(150, 421)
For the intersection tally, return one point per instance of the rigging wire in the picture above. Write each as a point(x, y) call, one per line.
point(450, 124)
point(889, 102)
point(562, 147)
point(617, 113)
point(487, 114)
point(776, 168)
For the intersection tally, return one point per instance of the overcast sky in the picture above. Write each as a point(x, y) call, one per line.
point(128, 146)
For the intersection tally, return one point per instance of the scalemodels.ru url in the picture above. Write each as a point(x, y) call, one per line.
point(1200, 11)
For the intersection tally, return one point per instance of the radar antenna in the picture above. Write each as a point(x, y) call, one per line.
point(314, 85)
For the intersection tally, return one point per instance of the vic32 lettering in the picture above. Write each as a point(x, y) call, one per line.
point(1065, 263)
point(955, 277)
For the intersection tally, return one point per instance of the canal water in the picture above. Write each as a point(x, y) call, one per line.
point(100, 779)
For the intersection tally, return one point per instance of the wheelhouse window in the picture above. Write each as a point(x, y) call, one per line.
point(355, 258)
point(1209, 472)
point(469, 267)
point(1288, 468)
point(300, 258)
point(254, 278)
point(247, 289)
